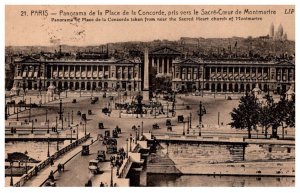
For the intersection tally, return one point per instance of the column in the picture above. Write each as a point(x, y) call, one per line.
point(168, 65)
point(92, 70)
point(86, 72)
point(121, 72)
point(97, 72)
point(281, 74)
point(51, 72)
point(256, 73)
point(239, 74)
point(103, 73)
point(163, 65)
point(210, 73)
point(63, 72)
point(69, 71)
point(80, 73)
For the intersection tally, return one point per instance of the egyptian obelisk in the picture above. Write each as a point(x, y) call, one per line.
point(146, 76)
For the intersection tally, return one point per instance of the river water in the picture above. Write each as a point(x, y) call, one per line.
point(170, 180)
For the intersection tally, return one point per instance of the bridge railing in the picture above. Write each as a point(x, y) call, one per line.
point(124, 168)
point(43, 164)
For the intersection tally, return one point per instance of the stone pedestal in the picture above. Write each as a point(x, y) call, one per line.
point(145, 95)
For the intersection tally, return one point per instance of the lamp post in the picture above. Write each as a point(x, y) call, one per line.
point(48, 152)
point(46, 115)
point(71, 134)
point(32, 126)
point(11, 174)
point(48, 126)
point(29, 108)
point(130, 141)
point(188, 125)
point(168, 109)
point(138, 134)
point(190, 120)
point(17, 113)
point(142, 128)
point(77, 132)
point(57, 145)
point(14, 107)
point(200, 118)
point(26, 170)
point(85, 128)
point(72, 118)
point(68, 119)
point(111, 175)
point(127, 148)
point(155, 112)
point(183, 132)
point(56, 123)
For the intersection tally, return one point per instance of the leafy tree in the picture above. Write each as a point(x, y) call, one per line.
point(246, 115)
point(265, 120)
point(290, 121)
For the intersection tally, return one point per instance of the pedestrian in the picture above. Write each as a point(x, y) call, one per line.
point(106, 184)
point(59, 167)
point(51, 162)
point(51, 176)
point(115, 184)
point(101, 184)
point(36, 169)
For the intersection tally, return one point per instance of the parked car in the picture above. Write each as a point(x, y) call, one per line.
point(89, 112)
point(79, 113)
point(74, 101)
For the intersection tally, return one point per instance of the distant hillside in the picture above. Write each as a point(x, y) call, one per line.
point(262, 46)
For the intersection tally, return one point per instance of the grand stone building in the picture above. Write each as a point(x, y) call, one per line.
point(78, 74)
point(189, 74)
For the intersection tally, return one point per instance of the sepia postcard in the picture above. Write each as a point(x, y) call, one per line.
point(149, 96)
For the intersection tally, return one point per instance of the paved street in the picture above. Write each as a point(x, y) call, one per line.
point(77, 168)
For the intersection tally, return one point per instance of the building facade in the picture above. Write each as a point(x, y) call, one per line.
point(78, 74)
point(189, 74)
point(232, 75)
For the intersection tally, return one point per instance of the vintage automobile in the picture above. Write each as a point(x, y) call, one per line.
point(168, 122)
point(155, 126)
point(100, 125)
point(89, 112)
point(111, 146)
point(74, 101)
point(79, 113)
point(94, 166)
point(105, 110)
point(101, 156)
point(83, 116)
point(85, 150)
point(180, 119)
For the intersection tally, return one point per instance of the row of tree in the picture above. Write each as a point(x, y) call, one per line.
point(266, 113)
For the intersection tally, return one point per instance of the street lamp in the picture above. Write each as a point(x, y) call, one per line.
point(46, 114)
point(29, 108)
point(72, 118)
point(183, 133)
point(127, 148)
point(32, 126)
point(130, 142)
point(200, 118)
point(11, 174)
point(48, 153)
point(111, 175)
point(68, 119)
point(142, 128)
point(18, 113)
point(57, 146)
point(138, 134)
point(71, 134)
point(56, 123)
point(168, 109)
point(188, 126)
point(190, 120)
point(85, 128)
point(48, 126)
point(77, 132)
